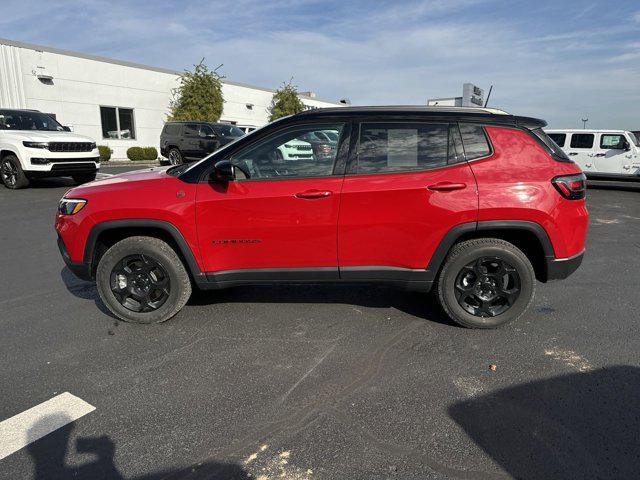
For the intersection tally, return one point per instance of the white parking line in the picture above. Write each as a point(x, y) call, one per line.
point(24, 428)
point(104, 175)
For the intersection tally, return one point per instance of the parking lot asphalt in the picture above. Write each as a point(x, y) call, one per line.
point(324, 382)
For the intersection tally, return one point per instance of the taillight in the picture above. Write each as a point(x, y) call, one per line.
point(571, 187)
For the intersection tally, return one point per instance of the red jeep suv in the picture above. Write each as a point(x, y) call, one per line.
point(475, 202)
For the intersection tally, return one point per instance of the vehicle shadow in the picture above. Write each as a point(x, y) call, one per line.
point(52, 459)
point(84, 290)
point(53, 182)
point(417, 304)
point(583, 425)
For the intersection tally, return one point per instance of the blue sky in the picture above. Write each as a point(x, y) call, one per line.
point(559, 60)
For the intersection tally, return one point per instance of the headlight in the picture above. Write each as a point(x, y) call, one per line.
point(36, 144)
point(71, 206)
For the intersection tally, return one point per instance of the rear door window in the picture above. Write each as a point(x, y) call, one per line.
point(582, 140)
point(401, 147)
point(474, 141)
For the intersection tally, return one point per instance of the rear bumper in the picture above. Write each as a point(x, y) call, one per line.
point(561, 268)
point(80, 270)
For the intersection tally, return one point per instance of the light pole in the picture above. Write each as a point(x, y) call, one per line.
point(584, 123)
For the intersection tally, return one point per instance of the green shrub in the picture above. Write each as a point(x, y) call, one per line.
point(135, 154)
point(105, 153)
point(150, 153)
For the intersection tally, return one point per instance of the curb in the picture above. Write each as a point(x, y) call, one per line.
point(116, 163)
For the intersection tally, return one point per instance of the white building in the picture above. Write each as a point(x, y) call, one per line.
point(120, 104)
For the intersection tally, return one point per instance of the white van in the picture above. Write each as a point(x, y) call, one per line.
point(601, 153)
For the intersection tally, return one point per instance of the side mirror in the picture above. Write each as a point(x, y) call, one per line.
point(223, 171)
point(625, 145)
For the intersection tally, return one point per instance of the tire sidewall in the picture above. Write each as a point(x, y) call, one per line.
point(21, 179)
point(168, 263)
point(515, 258)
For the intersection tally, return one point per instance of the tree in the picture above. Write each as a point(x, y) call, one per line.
point(199, 96)
point(285, 102)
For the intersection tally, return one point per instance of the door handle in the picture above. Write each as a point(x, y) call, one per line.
point(573, 153)
point(311, 194)
point(447, 186)
point(588, 165)
point(599, 154)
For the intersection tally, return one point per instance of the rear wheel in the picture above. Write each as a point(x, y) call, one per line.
point(12, 174)
point(486, 283)
point(84, 178)
point(142, 280)
point(175, 157)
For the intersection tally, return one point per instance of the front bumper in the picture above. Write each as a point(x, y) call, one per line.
point(561, 268)
point(79, 269)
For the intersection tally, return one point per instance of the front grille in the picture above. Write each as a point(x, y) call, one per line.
point(70, 146)
point(74, 167)
point(63, 160)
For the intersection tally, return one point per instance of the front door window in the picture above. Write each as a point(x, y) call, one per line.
point(296, 152)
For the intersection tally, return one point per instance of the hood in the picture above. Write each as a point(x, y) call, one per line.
point(121, 180)
point(42, 136)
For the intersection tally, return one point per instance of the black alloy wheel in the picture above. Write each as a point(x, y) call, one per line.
point(140, 283)
point(9, 172)
point(175, 157)
point(487, 287)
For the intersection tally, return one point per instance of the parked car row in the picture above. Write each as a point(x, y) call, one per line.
point(601, 154)
point(182, 142)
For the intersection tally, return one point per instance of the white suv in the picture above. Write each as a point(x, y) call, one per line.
point(35, 145)
point(604, 154)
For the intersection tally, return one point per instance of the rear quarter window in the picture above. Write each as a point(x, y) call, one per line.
point(559, 138)
point(171, 129)
point(474, 141)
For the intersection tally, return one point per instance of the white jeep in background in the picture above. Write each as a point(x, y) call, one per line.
point(601, 154)
point(35, 145)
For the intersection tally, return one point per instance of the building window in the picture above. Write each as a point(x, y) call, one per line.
point(117, 122)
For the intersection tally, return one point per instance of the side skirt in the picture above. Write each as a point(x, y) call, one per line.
point(398, 277)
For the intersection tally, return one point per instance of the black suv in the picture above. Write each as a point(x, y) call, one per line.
point(184, 141)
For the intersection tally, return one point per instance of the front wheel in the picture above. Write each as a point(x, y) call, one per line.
point(486, 283)
point(142, 280)
point(11, 172)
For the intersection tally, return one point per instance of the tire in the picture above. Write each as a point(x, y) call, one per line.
point(11, 172)
point(171, 270)
point(84, 178)
point(175, 157)
point(499, 294)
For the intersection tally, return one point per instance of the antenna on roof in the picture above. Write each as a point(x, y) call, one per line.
point(486, 102)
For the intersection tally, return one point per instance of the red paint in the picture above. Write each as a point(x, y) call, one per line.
point(356, 220)
point(515, 184)
point(396, 220)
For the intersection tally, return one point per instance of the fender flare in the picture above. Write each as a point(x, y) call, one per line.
point(167, 227)
point(452, 236)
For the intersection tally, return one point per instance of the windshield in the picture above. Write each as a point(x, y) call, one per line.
point(23, 120)
point(228, 130)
